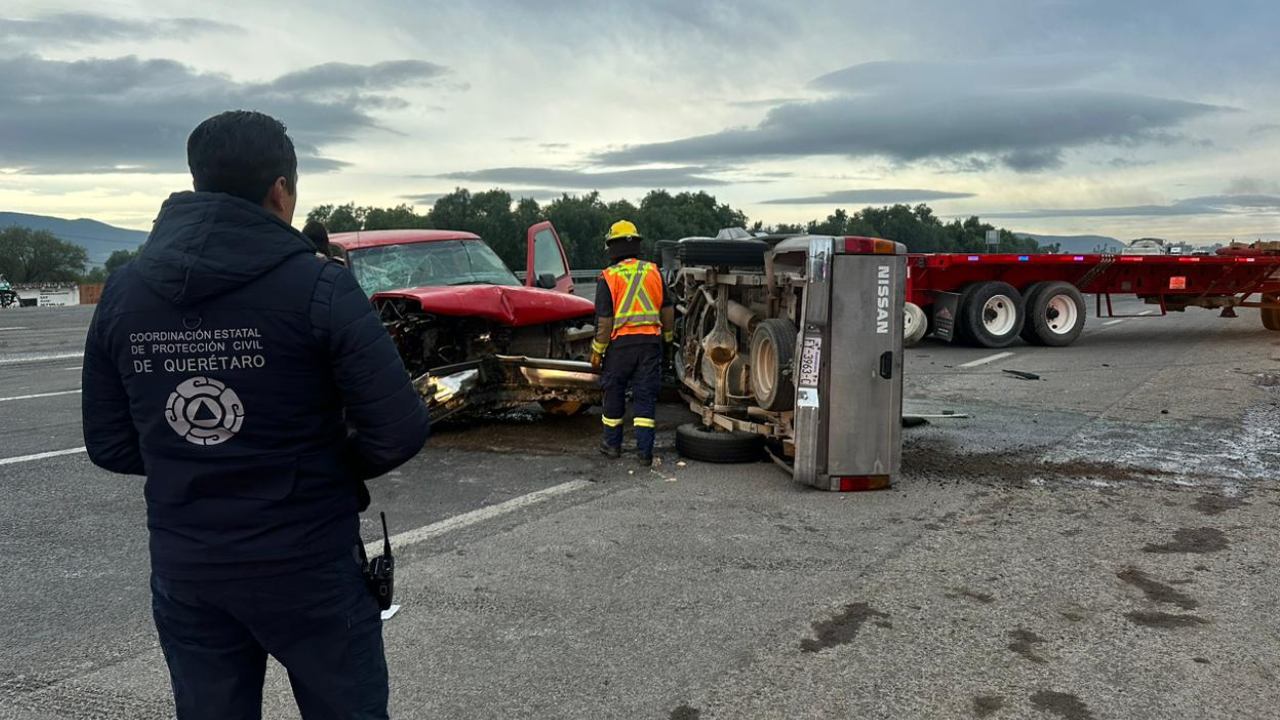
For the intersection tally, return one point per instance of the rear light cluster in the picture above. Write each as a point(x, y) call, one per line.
point(870, 246)
point(859, 483)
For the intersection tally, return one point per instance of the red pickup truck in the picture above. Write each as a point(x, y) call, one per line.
point(470, 332)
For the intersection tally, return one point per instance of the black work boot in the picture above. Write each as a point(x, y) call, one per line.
point(645, 460)
point(611, 452)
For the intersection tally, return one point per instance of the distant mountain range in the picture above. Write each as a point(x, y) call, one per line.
point(1079, 244)
point(98, 239)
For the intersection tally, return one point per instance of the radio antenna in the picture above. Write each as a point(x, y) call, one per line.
point(386, 538)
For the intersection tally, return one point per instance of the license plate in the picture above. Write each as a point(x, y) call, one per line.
point(810, 361)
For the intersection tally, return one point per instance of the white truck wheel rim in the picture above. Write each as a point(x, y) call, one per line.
point(1061, 315)
point(999, 315)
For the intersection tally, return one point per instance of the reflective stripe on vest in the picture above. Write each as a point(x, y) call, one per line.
point(636, 287)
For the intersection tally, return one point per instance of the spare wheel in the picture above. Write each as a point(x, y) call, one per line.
point(773, 345)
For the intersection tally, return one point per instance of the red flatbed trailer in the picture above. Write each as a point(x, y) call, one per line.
point(992, 299)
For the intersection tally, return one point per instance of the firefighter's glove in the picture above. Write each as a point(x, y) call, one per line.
point(597, 361)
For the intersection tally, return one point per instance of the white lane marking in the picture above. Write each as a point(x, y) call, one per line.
point(985, 360)
point(1146, 312)
point(40, 395)
point(41, 358)
point(1115, 322)
point(41, 456)
point(426, 532)
point(13, 328)
point(74, 367)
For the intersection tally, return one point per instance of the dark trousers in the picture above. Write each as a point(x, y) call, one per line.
point(637, 367)
point(321, 623)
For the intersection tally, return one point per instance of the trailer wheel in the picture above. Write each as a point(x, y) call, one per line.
point(1271, 316)
point(734, 253)
point(915, 324)
point(773, 345)
point(1028, 333)
point(1055, 314)
point(991, 314)
point(717, 446)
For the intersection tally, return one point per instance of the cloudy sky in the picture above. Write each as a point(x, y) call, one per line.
point(1058, 116)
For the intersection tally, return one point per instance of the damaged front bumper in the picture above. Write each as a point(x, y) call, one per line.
point(506, 381)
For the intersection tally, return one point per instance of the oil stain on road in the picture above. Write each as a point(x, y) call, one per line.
point(841, 629)
point(1188, 540)
point(1157, 591)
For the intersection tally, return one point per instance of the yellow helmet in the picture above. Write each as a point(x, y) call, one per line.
point(622, 230)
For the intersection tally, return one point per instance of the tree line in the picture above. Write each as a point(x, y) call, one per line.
point(31, 256)
point(583, 220)
point(39, 256)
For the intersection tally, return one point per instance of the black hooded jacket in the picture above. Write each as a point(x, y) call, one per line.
point(251, 383)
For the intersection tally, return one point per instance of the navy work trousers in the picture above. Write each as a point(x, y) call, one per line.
point(321, 623)
point(637, 367)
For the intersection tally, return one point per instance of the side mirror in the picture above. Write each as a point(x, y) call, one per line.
point(546, 281)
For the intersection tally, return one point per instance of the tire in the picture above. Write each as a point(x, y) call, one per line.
point(991, 314)
point(1271, 316)
point(1055, 314)
point(717, 446)
point(1028, 333)
point(773, 346)
point(733, 253)
point(915, 324)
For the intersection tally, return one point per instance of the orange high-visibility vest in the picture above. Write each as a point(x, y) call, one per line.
point(636, 287)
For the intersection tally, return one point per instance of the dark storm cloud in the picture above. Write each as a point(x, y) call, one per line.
point(686, 176)
point(1021, 114)
point(87, 28)
point(1202, 205)
point(129, 114)
point(874, 196)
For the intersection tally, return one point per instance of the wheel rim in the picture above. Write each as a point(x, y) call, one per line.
point(764, 369)
point(999, 314)
point(1061, 315)
point(908, 318)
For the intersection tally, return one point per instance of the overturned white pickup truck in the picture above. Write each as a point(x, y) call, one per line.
point(792, 346)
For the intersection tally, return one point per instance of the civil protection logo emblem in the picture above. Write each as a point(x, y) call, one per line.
point(204, 411)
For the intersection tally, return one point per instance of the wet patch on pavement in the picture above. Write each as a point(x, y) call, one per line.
point(1191, 540)
point(684, 712)
point(1217, 504)
point(1157, 591)
point(1024, 642)
point(986, 705)
point(1064, 705)
point(1164, 620)
point(953, 463)
point(964, 592)
point(841, 629)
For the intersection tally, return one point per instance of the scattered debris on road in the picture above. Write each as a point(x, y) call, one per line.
point(1022, 374)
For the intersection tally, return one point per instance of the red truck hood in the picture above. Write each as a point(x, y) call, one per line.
point(512, 305)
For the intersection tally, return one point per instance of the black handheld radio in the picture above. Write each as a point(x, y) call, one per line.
point(380, 573)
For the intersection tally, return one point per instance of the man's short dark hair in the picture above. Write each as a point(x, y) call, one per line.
point(241, 153)
point(318, 234)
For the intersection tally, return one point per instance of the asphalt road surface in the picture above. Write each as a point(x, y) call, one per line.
point(1099, 542)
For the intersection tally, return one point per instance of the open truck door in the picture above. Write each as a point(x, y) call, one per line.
point(546, 265)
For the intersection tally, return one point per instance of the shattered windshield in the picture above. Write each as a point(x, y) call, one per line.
point(444, 262)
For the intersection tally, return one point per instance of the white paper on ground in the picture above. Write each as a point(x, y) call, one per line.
point(390, 612)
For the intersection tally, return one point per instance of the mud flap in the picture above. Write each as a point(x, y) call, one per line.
point(945, 307)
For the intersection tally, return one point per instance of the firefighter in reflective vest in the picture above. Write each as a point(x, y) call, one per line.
point(635, 318)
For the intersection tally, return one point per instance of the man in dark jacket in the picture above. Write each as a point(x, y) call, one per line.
point(254, 387)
